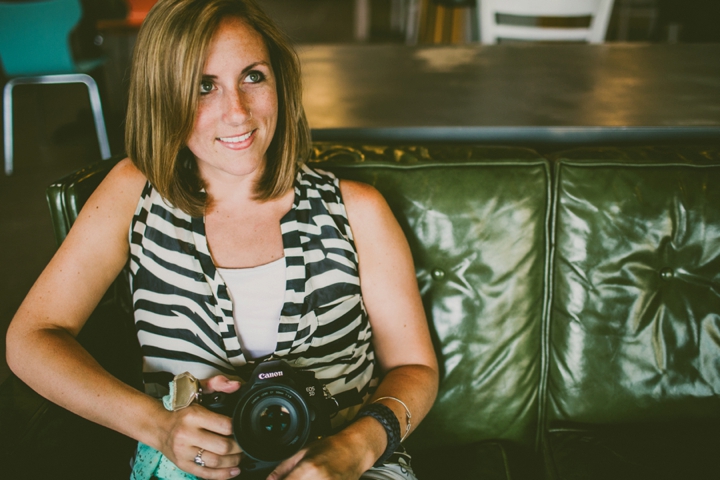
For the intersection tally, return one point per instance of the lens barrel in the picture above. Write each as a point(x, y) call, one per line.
point(275, 414)
point(272, 423)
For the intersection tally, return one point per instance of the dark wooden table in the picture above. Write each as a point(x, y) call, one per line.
point(533, 94)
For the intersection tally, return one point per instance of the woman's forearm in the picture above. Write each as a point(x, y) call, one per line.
point(416, 387)
point(357, 447)
point(41, 345)
point(54, 364)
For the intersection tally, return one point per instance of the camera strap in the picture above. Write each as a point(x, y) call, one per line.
point(348, 399)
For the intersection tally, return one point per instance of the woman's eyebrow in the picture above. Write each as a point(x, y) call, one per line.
point(253, 65)
point(244, 70)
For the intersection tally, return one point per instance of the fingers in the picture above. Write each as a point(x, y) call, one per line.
point(220, 383)
point(206, 462)
point(286, 466)
point(215, 461)
point(217, 444)
point(208, 471)
point(196, 436)
point(210, 430)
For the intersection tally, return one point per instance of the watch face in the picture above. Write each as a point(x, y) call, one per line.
point(185, 391)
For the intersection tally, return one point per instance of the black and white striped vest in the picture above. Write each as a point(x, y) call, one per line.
point(183, 313)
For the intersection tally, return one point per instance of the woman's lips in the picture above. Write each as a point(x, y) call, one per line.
point(238, 142)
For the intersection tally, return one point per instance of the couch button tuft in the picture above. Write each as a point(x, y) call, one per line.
point(667, 274)
point(438, 273)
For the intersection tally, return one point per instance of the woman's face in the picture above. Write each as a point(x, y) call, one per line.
point(238, 107)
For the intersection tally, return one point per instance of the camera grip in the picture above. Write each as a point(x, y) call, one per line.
point(220, 402)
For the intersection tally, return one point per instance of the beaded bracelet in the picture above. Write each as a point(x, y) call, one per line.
point(389, 421)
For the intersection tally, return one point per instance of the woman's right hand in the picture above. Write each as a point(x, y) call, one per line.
point(194, 428)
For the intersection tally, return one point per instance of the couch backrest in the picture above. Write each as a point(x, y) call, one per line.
point(634, 330)
point(583, 288)
point(476, 222)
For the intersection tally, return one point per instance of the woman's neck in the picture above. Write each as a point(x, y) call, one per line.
point(244, 232)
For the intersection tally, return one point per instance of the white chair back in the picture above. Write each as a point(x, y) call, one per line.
point(491, 31)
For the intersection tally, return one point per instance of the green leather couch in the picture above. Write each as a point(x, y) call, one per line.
point(573, 299)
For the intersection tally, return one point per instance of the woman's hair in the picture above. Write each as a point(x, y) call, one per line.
point(170, 54)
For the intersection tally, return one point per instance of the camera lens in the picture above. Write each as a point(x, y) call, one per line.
point(275, 419)
point(272, 424)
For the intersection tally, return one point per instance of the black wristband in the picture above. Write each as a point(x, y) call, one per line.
point(390, 423)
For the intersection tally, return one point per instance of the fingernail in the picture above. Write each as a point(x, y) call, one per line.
point(235, 472)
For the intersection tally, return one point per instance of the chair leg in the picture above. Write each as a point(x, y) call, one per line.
point(98, 116)
point(412, 23)
point(8, 127)
point(624, 23)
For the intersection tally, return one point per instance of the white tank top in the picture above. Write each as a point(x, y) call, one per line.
point(257, 294)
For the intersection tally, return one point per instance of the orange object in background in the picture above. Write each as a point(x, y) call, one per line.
point(138, 10)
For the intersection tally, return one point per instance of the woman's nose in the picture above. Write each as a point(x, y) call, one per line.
point(236, 108)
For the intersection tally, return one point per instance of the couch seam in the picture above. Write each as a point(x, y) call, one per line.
point(500, 163)
point(591, 164)
point(550, 219)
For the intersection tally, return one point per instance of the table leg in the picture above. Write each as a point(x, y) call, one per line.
point(362, 20)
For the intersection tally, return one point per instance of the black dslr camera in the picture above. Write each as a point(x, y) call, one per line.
point(275, 414)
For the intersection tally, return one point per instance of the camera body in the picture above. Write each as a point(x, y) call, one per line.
point(275, 414)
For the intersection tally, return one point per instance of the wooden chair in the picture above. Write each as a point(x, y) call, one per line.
point(443, 21)
point(491, 30)
point(630, 9)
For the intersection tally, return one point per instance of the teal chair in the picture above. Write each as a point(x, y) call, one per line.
point(35, 49)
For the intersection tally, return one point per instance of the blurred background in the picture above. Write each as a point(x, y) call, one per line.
point(54, 132)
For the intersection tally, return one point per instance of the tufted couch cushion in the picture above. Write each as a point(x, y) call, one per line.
point(476, 226)
point(635, 321)
point(476, 221)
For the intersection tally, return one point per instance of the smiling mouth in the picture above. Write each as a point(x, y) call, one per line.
point(238, 139)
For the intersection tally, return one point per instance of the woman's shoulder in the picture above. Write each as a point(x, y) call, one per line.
point(366, 207)
point(124, 181)
point(120, 190)
point(126, 175)
point(361, 196)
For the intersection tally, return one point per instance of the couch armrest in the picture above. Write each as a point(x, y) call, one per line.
point(40, 440)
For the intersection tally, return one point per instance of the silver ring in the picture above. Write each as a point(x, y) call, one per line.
point(198, 458)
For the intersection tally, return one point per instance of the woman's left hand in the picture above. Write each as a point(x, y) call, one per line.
point(343, 456)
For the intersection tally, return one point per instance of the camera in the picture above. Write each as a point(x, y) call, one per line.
point(276, 413)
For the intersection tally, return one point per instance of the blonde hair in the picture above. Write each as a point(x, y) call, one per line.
point(167, 68)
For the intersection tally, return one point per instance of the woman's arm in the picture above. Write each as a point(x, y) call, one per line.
point(387, 277)
point(400, 336)
point(43, 352)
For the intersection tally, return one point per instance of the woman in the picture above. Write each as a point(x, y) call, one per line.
point(212, 202)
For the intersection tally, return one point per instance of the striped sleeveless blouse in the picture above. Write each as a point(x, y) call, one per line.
point(184, 315)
